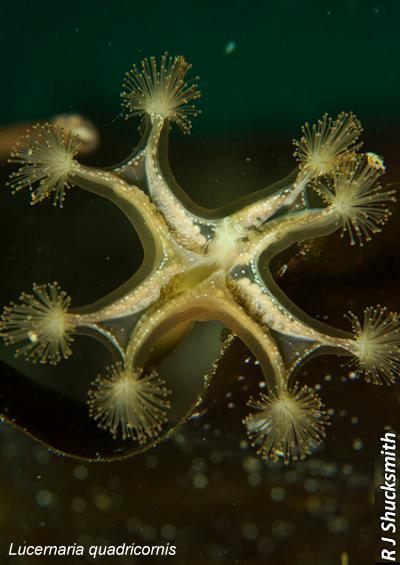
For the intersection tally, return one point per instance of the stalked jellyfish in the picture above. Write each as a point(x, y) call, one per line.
point(204, 265)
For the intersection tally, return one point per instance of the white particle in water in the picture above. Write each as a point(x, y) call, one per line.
point(230, 47)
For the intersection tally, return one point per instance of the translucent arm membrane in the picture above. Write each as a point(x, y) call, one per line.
point(185, 225)
point(142, 296)
point(281, 233)
point(202, 304)
point(263, 305)
point(255, 214)
point(132, 202)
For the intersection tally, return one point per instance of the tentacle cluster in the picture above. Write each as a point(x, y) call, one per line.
point(202, 269)
point(328, 143)
point(377, 344)
point(288, 425)
point(357, 196)
point(129, 404)
point(161, 91)
point(46, 154)
point(41, 322)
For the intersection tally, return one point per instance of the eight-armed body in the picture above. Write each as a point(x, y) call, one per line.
point(201, 265)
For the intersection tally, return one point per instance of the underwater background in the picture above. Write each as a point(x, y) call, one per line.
point(265, 68)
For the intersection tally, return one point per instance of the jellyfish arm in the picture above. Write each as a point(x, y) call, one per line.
point(256, 214)
point(101, 319)
point(132, 202)
point(298, 336)
point(204, 303)
point(186, 226)
point(265, 302)
point(157, 270)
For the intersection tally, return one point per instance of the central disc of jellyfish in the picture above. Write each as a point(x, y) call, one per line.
point(201, 267)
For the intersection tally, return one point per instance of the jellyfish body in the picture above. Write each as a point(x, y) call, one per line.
point(204, 265)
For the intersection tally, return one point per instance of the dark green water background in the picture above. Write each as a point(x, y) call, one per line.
point(293, 59)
